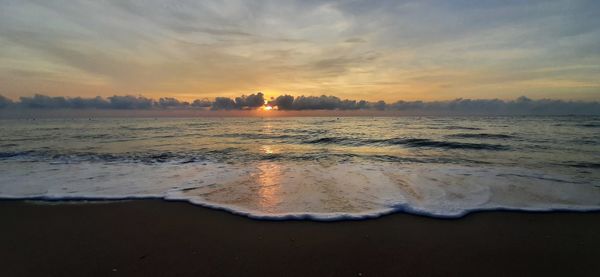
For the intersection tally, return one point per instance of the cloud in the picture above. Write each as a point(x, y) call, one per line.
point(251, 101)
point(223, 103)
point(5, 102)
point(342, 63)
point(130, 102)
point(355, 40)
point(353, 49)
point(323, 102)
point(43, 101)
point(201, 103)
point(84, 103)
point(520, 106)
point(243, 102)
point(170, 102)
point(40, 101)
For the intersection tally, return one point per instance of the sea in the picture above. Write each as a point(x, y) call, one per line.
point(317, 168)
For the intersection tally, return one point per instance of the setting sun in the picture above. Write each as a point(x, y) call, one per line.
point(268, 107)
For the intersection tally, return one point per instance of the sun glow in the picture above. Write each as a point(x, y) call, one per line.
point(268, 107)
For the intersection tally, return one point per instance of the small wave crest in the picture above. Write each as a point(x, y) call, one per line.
point(448, 144)
point(75, 157)
point(9, 145)
point(481, 136)
point(461, 128)
point(590, 125)
point(258, 136)
point(409, 142)
point(14, 154)
point(589, 165)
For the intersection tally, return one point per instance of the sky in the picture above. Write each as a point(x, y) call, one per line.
point(372, 50)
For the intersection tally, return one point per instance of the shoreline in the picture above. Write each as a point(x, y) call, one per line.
point(291, 217)
point(163, 238)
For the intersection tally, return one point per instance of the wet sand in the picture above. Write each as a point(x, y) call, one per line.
point(158, 238)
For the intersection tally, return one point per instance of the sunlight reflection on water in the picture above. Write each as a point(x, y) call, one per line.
point(269, 181)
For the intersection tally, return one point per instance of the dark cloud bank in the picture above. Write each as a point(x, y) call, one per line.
point(521, 105)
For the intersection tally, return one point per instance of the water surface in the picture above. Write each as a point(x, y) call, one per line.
point(320, 167)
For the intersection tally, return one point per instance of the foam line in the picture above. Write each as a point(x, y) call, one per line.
point(271, 190)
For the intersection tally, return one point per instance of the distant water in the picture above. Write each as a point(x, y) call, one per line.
point(321, 168)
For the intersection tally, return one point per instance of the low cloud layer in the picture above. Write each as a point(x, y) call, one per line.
point(521, 105)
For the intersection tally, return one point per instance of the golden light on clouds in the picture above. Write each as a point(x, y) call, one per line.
point(380, 50)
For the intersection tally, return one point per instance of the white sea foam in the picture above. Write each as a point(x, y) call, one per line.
point(277, 190)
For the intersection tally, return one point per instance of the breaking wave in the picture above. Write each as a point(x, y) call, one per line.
point(299, 190)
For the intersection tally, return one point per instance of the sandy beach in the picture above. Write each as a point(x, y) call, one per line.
point(158, 238)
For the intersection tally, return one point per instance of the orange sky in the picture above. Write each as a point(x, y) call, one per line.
point(372, 50)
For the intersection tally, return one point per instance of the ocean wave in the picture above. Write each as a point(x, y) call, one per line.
point(583, 165)
point(591, 141)
point(409, 142)
point(9, 145)
point(230, 155)
point(345, 141)
point(201, 124)
point(12, 154)
point(260, 136)
point(449, 144)
point(74, 157)
point(481, 136)
point(95, 136)
point(461, 128)
point(149, 128)
point(590, 125)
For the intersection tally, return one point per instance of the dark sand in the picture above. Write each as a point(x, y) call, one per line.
point(157, 238)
